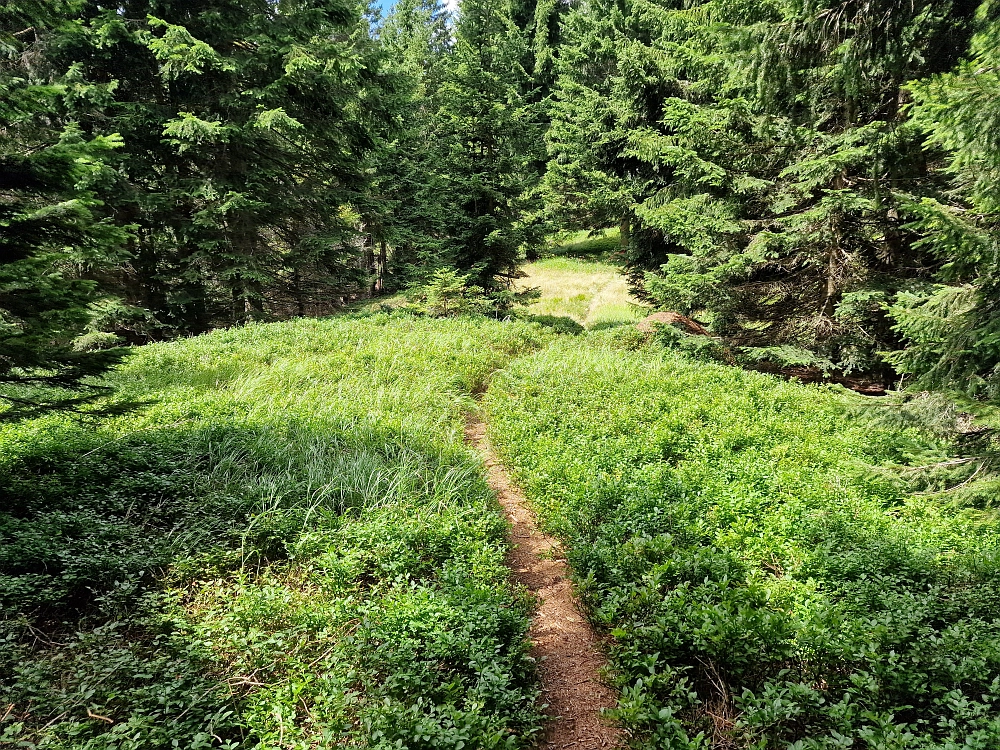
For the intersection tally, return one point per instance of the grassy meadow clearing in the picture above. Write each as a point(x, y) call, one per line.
point(466, 495)
point(289, 546)
point(578, 280)
point(768, 579)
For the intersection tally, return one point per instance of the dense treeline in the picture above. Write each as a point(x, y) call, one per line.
point(172, 167)
point(816, 180)
point(242, 133)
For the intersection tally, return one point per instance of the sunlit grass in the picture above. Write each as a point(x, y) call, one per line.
point(593, 294)
point(598, 246)
point(755, 553)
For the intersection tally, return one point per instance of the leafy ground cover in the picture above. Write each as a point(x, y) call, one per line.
point(288, 546)
point(768, 579)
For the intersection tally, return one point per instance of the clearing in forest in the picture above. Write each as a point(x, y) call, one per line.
point(578, 281)
point(291, 546)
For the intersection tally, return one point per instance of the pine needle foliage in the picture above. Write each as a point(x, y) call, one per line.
point(764, 159)
point(952, 329)
point(54, 231)
point(461, 174)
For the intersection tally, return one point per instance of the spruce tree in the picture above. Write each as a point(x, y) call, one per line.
point(587, 184)
point(758, 154)
point(487, 137)
point(246, 128)
point(410, 195)
point(53, 231)
point(459, 174)
point(951, 324)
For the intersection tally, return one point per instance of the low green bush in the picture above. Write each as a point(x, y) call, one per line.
point(695, 346)
point(785, 356)
point(448, 293)
point(767, 578)
point(288, 546)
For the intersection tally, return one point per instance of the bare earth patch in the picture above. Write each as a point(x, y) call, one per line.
point(566, 647)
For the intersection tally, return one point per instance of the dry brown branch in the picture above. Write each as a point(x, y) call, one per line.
point(245, 681)
point(40, 637)
point(719, 711)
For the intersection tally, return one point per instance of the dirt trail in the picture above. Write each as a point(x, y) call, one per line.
point(562, 640)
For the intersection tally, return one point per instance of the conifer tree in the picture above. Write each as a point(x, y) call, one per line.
point(587, 184)
point(246, 127)
point(487, 138)
point(409, 191)
point(757, 153)
point(52, 228)
point(460, 173)
point(951, 327)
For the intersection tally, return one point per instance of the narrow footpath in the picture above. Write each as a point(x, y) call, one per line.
point(566, 647)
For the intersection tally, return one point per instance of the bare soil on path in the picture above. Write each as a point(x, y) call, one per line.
point(566, 647)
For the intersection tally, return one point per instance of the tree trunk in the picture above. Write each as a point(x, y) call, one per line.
point(625, 232)
point(300, 299)
point(893, 237)
point(832, 293)
point(368, 259)
point(151, 292)
point(383, 254)
point(832, 288)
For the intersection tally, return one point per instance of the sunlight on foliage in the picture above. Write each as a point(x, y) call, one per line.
point(593, 294)
point(768, 580)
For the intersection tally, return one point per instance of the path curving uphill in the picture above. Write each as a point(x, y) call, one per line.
point(567, 648)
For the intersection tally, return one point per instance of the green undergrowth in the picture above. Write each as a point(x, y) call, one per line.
point(768, 580)
point(288, 546)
